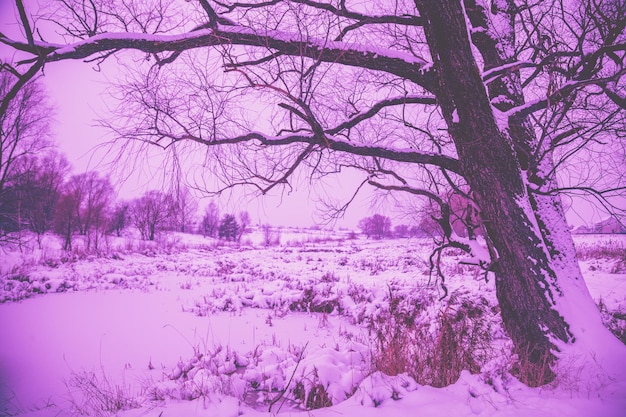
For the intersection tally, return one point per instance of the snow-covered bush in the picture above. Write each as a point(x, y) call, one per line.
point(328, 376)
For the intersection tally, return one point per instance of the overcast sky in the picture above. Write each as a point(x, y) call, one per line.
point(79, 93)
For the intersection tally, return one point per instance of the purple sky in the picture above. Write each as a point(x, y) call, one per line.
point(80, 101)
point(78, 93)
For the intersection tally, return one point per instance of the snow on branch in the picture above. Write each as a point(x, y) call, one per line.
point(405, 188)
point(379, 59)
point(341, 11)
point(526, 109)
point(497, 72)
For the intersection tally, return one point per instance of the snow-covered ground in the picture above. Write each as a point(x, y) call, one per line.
point(185, 327)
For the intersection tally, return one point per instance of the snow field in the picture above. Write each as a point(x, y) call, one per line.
point(210, 330)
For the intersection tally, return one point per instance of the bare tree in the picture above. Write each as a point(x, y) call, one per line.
point(119, 217)
point(24, 133)
point(500, 99)
point(377, 226)
point(17, 193)
point(402, 231)
point(151, 213)
point(66, 218)
point(40, 191)
point(244, 223)
point(210, 220)
point(185, 209)
point(94, 196)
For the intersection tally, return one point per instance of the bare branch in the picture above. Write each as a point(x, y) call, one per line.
point(354, 120)
point(405, 188)
point(393, 62)
point(25, 22)
point(333, 143)
point(22, 80)
point(615, 97)
point(558, 96)
point(342, 11)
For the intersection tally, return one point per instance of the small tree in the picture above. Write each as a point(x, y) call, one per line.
point(93, 195)
point(210, 221)
point(66, 218)
point(229, 228)
point(244, 223)
point(377, 226)
point(271, 237)
point(119, 218)
point(43, 194)
point(151, 212)
point(185, 208)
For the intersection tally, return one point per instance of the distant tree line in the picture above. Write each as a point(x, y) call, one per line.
point(380, 227)
point(38, 196)
point(430, 222)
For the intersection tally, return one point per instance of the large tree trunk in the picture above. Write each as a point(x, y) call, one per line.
point(535, 254)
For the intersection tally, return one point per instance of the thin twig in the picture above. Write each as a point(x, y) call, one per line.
point(282, 393)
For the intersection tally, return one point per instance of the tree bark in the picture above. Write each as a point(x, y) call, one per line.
point(526, 281)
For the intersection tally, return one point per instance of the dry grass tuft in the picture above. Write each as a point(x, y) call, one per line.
point(611, 249)
point(432, 350)
point(91, 395)
point(615, 321)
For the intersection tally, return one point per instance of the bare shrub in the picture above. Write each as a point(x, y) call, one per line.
point(314, 301)
point(271, 237)
point(529, 365)
point(432, 350)
point(170, 243)
point(329, 277)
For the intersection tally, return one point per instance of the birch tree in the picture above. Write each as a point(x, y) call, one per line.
point(498, 98)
